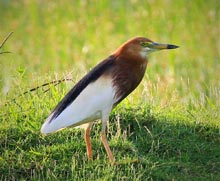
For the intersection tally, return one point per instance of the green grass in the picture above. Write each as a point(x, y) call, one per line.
point(170, 123)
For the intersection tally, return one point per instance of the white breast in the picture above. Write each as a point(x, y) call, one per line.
point(88, 106)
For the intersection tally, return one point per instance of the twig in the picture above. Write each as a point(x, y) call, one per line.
point(54, 82)
point(6, 38)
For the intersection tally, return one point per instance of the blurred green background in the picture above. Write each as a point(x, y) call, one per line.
point(57, 37)
point(53, 39)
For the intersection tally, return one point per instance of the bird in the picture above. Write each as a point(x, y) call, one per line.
point(102, 89)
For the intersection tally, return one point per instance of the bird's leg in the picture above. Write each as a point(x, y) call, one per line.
point(105, 142)
point(88, 141)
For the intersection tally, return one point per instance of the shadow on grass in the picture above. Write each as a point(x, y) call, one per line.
point(166, 147)
point(180, 149)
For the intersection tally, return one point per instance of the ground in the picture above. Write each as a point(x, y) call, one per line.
point(167, 129)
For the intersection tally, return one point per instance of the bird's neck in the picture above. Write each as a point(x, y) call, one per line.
point(127, 75)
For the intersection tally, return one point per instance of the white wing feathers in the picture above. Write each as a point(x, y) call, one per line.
point(95, 99)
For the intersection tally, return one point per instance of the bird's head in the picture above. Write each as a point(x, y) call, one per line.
point(140, 47)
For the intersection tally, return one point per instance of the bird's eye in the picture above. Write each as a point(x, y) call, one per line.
point(145, 44)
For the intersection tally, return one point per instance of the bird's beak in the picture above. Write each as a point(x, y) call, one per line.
point(161, 46)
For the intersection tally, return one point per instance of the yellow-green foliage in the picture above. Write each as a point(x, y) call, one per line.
point(181, 87)
point(57, 37)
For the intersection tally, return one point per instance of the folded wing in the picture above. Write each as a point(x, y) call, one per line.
point(85, 101)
